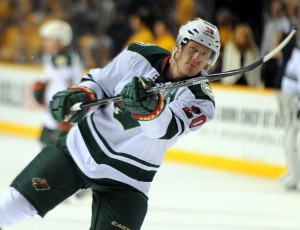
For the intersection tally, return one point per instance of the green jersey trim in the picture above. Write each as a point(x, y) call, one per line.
point(155, 55)
point(173, 128)
point(100, 157)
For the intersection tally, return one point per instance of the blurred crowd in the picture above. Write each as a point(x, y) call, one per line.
point(239, 48)
point(102, 28)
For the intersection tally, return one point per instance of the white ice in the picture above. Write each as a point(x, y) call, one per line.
point(182, 197)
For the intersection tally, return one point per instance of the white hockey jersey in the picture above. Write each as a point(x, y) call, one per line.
point(61, 71)
point(109, 144)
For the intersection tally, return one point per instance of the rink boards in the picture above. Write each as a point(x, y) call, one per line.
point(246, 134)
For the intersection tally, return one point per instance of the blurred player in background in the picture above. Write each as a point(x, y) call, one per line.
point(62, 67)
point(117, 149)
point(290, 105)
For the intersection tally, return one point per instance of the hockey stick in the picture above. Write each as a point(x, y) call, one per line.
point(194, 80)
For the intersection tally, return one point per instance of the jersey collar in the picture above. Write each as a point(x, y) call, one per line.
point(162, 78)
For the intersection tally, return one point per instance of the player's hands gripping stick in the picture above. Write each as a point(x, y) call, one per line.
point(62, 102)
point(141, 105)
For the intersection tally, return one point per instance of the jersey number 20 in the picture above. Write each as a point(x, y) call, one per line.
point(194, 113)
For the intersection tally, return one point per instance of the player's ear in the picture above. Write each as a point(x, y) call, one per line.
point(178, 50)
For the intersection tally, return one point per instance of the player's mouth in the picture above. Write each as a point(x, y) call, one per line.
point(192, 66)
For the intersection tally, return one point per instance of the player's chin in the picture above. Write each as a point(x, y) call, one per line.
point(192, 72)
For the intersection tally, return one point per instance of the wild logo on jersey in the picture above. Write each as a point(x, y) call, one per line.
point(40, 184)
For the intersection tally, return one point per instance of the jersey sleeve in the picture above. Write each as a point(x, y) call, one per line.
point(103, 81)
point(89, 81)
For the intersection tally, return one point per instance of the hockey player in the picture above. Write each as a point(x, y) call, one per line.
point(117, 149)
point(291, 110)
point(62, 68)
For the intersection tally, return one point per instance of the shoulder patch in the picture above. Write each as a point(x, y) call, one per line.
point(207, 90)
point(203, 91)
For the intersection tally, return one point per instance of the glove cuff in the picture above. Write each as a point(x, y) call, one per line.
point(90, 93)
point(155, 113)
point(64, 126)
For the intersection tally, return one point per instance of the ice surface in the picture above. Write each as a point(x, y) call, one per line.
point(182, 197)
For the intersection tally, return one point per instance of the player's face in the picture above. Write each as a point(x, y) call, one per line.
point(192, 58)
point(49, 46)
